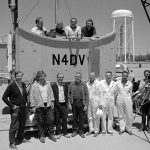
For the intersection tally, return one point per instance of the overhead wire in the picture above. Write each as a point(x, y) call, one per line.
point(68, 8)
point(27, 15)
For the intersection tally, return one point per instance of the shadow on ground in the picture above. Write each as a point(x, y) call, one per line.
point(137, 125)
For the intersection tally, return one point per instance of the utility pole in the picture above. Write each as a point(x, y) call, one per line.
point(13, 5)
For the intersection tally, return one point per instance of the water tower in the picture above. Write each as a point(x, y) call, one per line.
point(123, 25)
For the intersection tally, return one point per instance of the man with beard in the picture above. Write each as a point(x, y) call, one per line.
point(89, 30)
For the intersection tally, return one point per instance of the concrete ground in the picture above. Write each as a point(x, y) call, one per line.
point(138, 141)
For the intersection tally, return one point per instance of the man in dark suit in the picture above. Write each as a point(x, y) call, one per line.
point(60, 91)
point(15, 96)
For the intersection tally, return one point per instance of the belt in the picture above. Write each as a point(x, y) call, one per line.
point(75, 99)
point(62, 103)
point(45, 104)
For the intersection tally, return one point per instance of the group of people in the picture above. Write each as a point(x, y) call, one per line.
point(70, 32)
point(95, 98)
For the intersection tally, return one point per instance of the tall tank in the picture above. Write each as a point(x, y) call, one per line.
point(123, 25)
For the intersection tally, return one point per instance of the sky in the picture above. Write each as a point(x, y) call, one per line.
point(98, 10)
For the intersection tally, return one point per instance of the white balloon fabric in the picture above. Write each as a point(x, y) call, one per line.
point(99, 112)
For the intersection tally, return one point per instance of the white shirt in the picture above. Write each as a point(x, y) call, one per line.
point(107, 92)
point(61, 93)
point(44, 92)
point(37, 31)
point(124, 89)
point(20, 88)
point(94, 94)
point(73, 33)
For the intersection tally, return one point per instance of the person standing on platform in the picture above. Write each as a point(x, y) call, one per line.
point(73, 31)
point(58, 32)
point(39, 29)
point(89, 30)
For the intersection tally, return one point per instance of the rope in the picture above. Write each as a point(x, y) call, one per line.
point(27, 15)
point(68, 8)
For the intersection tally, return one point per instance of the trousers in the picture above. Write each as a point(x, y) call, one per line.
point(17, 126)
point(93, 119)
point(78, 116)
point(45, 119)
point(125, 112)
point(61, 115)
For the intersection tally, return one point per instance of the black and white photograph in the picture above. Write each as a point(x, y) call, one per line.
point(74, 74)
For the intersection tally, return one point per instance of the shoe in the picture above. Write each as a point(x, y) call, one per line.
point(103, 132)
point(95, 134)
point(110, 132)
point(66, 135)
point(146, 128)
point(42, 139)
point(52, 137)
point(25, 141)
point(129, 132)
point(82, 135)
point(74, 134)
point(141, 128)
point(13, 147)
point(58, 136)
point(89, 133)
point(121, 132)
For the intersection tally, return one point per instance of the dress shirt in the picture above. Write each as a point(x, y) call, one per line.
point(44, 92)
point(61, 93)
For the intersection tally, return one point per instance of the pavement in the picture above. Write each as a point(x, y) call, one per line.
point(138, 141)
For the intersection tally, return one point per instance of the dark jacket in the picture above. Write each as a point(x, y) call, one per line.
point(12, 95)
point(56, 93)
